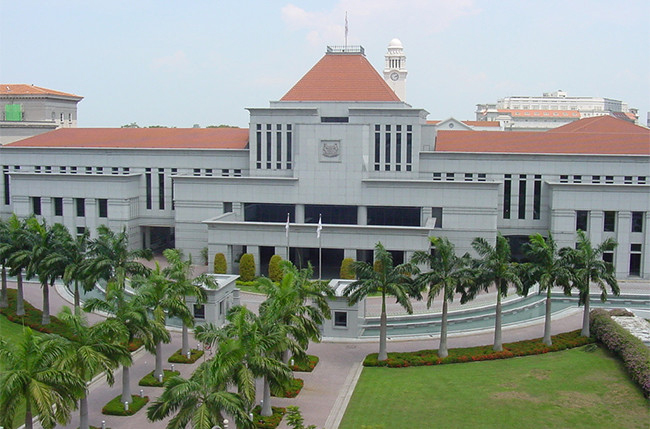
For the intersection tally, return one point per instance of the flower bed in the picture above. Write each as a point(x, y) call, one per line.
point(473, 354)
point(305, 366)
point(116, 408)
point(635, 355)
point(177, 357)
point(270, 422)
point(288, 390)
point(150, 380)
point(32, 317)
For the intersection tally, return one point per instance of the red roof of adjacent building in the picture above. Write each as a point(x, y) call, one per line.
point(471, 123)
point(137, 138)
point(602, 135)
point(341, 77)
point(23, 89)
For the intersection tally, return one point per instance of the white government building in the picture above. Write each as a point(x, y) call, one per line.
point(342, 144)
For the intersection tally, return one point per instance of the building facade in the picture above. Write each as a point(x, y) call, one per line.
point(342, 147)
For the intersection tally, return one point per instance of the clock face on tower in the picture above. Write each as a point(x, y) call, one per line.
point(394, 76)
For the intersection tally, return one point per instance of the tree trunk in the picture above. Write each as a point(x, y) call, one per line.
point(20, 305)
point(285, 357)
point(585, 317)
point(266, 406)
point(159, 363)
point(83, 412)
point(4, 301)
point(126, 385)
point(442, 349)
point(45, 320)
point(77, 299)
point(383, 354)
point(498, 347)
point(547, 321)
point(186, 341)
point(29, 424)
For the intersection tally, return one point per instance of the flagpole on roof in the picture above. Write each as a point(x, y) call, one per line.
point(346, 31)
point(320, 247)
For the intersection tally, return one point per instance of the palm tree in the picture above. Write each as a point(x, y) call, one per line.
point(587, 266)
point(16, 252)
point(94, 348)
point(73, 257)
point(447, 274)
point(31, 375)
point(157, 293)
point(4, 240)
point(200, 401)
point(386, 279)
point(133, 316)
point(548, 269)
point(494, 268)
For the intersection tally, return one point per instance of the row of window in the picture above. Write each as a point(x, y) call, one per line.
point(609, 221)
point(634, 268)
point(393, 148)
point(467, 177)
point(522, 185)
point(273, 146)
point(79, 203)
point(628, 180)
point(209, 172)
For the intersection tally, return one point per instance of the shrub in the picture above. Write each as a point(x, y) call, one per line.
point(290, 389)
point(621, 312)
point(347, 271)
point(247, 267)
point(305, 366)
point(220, 265)
point(270, 422)
point(116, 408)
point(177, 357)
point(33, 317)
point(635, 355)
point(295, 419)
point(275, 269)
point(150, 380)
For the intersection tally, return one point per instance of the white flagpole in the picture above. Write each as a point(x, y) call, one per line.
point(286, 227)
point(320, 247)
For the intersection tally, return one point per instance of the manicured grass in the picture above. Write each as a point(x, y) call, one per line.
point(150, 380)
point(116, 408)
point(582, 387)
point(177, 357)
point(307, 366)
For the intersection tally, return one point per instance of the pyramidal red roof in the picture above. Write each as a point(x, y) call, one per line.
point(603, 135)
point(341, 77)
point(136, 138)
point(23, 89)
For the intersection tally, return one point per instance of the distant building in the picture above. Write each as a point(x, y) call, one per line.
point(551, 110)
point(29, 110)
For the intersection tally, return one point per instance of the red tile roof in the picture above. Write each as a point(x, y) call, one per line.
point(341, 77)
point(471, 123)
point(586, 136)
point(541, 113)
point(136, 138)
point(23, 89)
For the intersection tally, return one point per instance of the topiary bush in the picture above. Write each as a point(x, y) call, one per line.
point(247, 267)
point(275, 269)
point(347, 270)
point(220, 264)
point(635, 355)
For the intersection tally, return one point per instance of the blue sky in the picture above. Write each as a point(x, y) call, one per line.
point(203, 62)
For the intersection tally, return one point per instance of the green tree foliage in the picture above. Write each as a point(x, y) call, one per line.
point(275, 269)
point(247, 267)
point(220, 264)
point(346, 271)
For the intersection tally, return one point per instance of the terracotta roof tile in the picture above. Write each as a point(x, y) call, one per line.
point(341, 77)
point(471, 123)
point(23, 89)
point(586, 136)
point(136, 138)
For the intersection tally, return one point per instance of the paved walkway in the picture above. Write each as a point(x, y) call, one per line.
point(327, 389)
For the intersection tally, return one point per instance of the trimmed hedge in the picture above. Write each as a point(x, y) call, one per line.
point(305, 366)
point(32, 317)
point(275, 269)
point(247, 267)
point(347, 271)
point(177, 357)
point(635, 355)
point(270, 422)
point(289, 389)
point(474, 354)
point(220, 264)
point(150, 380)
point(116, 408)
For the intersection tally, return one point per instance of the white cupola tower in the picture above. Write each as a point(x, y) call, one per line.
point(395, 69)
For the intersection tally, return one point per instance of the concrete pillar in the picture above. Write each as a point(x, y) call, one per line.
point(362, 215)
point(623, 229)
point(350, 253)
point(596, 226)
point(300, 213)
point(282, 251)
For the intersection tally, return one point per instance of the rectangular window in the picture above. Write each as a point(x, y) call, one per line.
point(208, 172)
point(577, 179)
point(482, 177)
point(595, 179)
point(227, 207)
point(394, 216)
point(73, 170)
point(522, 196)
point(5, 178)
point(564, 179)
point(610, 222)
point(258, 148)
point(99, 170)
point(507, 196)
point(409, 147)
point(628, 180)
point(437, 176)
point(398, 148)
point(436, 213)
point(608, 257)
point(115, 170)
point(377, 147)
point(537, 197)
point(174, 172)
point(161, 189)
point(81, 230)
point(81, 207)
point(641, 180)
point(58, 206)
point(609, 179)
point(126, 170)
point(469, 177)
point(102, 204)
point(237, 172)
point(582, 219)
point(36, 205)
point(62, 169)
point(635, 259)
point(387, 153)
point(269, 142)
point(289, 146)
point(89, 170)
point(278, 147)
point(637, 221)
point(341, 319)
point(199, 311)
point(148, 185)
point(450, 176)
point(225, 172)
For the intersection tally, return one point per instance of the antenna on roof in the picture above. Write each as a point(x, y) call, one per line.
point(346, 29)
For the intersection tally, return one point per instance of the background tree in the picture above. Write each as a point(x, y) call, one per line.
point(387, 280)
point(4, 241)
point(31, 375)
point(587, 266)
point(447, 274)
point(494, 268)
point(17, 253)
point(94, 349)
point(548, 269)
point(77, 272)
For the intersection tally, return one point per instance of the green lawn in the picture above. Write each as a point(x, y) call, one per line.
point(573, 388)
